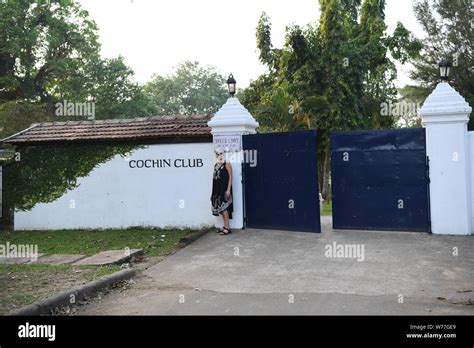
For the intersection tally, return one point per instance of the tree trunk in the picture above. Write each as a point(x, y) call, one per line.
point(326, 190)
point(323, 151)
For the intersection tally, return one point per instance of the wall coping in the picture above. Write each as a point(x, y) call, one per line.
point(233, 115)
point(445, 105)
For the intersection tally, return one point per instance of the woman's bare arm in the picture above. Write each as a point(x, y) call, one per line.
point(228, 166)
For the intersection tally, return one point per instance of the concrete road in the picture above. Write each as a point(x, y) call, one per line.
point(280, 272)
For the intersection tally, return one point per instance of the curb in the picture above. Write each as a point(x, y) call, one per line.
point(123, 259)
point(191, 238)
point(63, 299)
point(133, 255)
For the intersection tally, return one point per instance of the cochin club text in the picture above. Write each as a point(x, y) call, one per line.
point(166, 163)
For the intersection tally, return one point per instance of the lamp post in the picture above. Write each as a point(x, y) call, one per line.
point(444, 68)
point(231, 85)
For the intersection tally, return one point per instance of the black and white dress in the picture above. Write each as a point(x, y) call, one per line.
point(219, 187)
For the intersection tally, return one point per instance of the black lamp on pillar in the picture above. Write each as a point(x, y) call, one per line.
point(444, 69)
point(231, 85)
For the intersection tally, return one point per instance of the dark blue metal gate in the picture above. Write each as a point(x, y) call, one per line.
point(380, 180)
point(281, 190)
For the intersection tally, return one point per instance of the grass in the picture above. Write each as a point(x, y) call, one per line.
point(327, 208)
point(22, 284)
point(88, 242)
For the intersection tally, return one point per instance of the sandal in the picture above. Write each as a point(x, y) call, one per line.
point(219, 230)
point(223, 232)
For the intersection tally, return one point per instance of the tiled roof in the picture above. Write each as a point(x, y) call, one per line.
point(154, 127)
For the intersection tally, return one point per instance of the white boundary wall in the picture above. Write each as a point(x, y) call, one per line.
point(471, 155)
point(114, 195)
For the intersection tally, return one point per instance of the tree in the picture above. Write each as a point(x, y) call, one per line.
point(191, 89)
point(117, 95)
point(335, 74)
point(18, 115)
point(49, 52)
point(409, 95)
point(110, 85)
point(278, 111)
point(41, 43)
point(448, 28)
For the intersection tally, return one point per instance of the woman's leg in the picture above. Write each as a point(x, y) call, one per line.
point(225, 215)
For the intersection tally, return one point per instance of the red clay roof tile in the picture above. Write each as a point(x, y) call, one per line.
point(153, 127)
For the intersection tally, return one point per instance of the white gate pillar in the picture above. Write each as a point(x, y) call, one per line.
point(445, 115)
point(228, 125)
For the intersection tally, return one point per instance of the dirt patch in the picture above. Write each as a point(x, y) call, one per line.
point(21, 285)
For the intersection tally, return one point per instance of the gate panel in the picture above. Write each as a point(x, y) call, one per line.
point(253, 184)
point(281, 191)
point(380, 180)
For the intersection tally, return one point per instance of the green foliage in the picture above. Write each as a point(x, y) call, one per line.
point(414, 96)
point(115, 94)
point(334, 75)
point(277, 111)
point(41, 42)
point(327, 208)
point(338, 72)
point(45, 173)
point(42, 174)
point(264, 42)
point(448, 28)
point(191, 89)
point(403, 45)
point(252, 96)
point(109, 83)
point(16, 116)
point(49, 52)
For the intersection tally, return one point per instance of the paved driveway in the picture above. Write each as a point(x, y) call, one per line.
point(279, 272)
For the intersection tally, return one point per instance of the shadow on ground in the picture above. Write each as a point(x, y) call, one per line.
point(280, 272)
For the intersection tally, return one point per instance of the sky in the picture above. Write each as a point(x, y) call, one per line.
point(155, 35)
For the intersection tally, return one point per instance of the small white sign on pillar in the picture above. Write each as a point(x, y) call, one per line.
point(230, 142)
point(228, 125)
point(445, 115)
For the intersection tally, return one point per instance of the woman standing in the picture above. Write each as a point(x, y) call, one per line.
point(221, 197)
